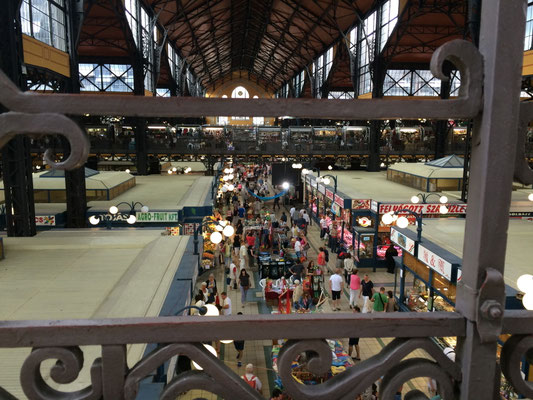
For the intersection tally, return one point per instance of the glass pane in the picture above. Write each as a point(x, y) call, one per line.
point(25, 17)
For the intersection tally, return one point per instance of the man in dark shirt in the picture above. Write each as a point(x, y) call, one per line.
point(297, 270)
point(367, 290)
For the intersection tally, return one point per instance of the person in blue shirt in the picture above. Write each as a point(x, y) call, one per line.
point(241, 211)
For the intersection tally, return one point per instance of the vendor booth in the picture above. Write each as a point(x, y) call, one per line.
point(300, 137)
point(364, 224)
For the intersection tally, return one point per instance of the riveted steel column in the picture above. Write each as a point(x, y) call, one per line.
point(481, 296)
point(75, 187)
point(16, 159)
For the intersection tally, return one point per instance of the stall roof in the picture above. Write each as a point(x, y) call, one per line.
point(452, 161)
point(423, 170)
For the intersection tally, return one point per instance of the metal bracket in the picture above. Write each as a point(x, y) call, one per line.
point(490, 311)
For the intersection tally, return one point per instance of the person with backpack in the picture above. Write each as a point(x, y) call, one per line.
point(251, 379)
point(244, 284)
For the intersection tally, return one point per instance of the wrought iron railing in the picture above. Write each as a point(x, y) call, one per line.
point(489, 94)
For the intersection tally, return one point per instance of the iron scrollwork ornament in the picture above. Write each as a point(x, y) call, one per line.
point(514, 349)
point(353, 381)
point(66, 369)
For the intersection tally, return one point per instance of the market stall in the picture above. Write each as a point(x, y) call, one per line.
point(326, 138)
point(364, 224)
point(269, 138)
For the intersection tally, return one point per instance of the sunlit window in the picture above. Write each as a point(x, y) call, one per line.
point(106, 77)
point(44, 20)
point(529, 27)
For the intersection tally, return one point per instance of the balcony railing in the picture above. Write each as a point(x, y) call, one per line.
point(489, 94)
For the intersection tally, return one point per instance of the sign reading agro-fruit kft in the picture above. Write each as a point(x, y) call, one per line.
point(157, 216)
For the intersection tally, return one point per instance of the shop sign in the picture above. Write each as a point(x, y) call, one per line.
point(403, 241)
point(45, 220)
point(348, 237)
point(322, 189)
point(339, 200)
point(189, 228)
point(329, 194)
point(374, 206)
point(435, 262)
point(157, 216)
point(520, 214)
point(361, 204)
point(364, 222)
point(335, 209)
point(422, 208)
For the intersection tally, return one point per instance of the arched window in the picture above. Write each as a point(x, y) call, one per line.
point(240, 93)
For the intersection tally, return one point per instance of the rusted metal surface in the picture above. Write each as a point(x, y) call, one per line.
point(197, 329)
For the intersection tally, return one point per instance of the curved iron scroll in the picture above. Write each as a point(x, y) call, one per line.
point(66, 370)
point(35, 125)
point(514, 349)
point(355, 380)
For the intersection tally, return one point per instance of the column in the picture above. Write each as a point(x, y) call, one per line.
point(16, 158)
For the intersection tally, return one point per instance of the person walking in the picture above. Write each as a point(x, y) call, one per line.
point(391, 303)
point(355, 288)
point(244, 284)
point(323, 226)
point(354, 342)
point(336, 284)
point(367, 291)
point(321, 259)
point(276, 201)
point(239, 346)
point(348, 267)
point(251, 379)
point(292, 212)
point(225, 304)
point(380, 300)
point(227, 252)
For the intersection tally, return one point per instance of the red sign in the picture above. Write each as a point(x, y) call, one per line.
point(347, 237)
point(361, 204)
point(422, 208)
point(339, 200)
point(329, 194)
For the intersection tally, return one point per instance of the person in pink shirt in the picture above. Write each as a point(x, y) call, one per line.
point(355, 287)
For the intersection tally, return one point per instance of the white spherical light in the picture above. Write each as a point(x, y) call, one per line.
point(443, 209)
point(228, 231)
point(226, 170)
point(330, 167)
point(294, 165)
point(525, 283)
point(530, 197)
point(226, 341)
point(387, 218)
point(219, 228)
point(305, 171)
point(215, 237)
point(285, 185)
point(326, 181)
point(224, 188)
point(443, 199)
point(527, 301)
point(402, 222)
point(415, 199)
point(113, 210)
point(174, 169)
point(212, 310)
point(211, 350)
point(145, 209)
point(131, 219)
point(231, 187)
point(169, 172)
point(94, 220)
point(128, 171)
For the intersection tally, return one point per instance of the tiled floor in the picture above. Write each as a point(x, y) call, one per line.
point(256, 352)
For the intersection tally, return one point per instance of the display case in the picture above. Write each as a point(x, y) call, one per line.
point(326, 138)
point(300, 137)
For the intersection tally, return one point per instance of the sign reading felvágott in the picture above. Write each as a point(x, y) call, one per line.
point(435, 262)
point(157, 216)
point(422, 208)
